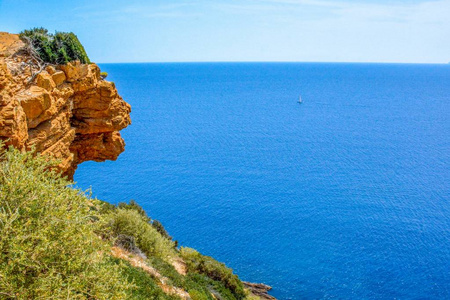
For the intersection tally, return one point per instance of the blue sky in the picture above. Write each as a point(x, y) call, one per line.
point(416, 31)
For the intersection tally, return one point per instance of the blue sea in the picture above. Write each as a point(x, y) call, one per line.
point(345, 196)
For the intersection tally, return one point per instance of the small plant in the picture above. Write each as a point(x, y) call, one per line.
point(103, 75)
point(133, 205)
point(196, 295)
point(155, 223)
point(160, 228)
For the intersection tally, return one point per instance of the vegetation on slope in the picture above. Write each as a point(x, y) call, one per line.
point(58, 48)
point(213, 269)
point(49, 239)
point(56, 242)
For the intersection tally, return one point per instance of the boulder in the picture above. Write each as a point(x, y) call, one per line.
point(44, 80)
point(58, 77)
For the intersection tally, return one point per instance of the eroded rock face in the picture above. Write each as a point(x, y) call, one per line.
point(68, 111)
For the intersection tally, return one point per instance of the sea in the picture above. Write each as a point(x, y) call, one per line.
point(344, 196)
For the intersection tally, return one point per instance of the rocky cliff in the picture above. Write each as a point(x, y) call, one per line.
point(67, 111)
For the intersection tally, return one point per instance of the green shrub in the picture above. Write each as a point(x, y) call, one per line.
point(58, 48)
point(207, 287)
point(196, 284)
point(49, 242)
point(133, 205)
point(105, 207)
point(196, 295)
point(167, 270)
point(104, 74)
point(215, 270)
point(146, 286)
point(160, 228)
point(201, 287)
point(130, 222)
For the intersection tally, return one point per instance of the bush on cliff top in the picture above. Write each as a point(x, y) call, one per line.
point(58, 48)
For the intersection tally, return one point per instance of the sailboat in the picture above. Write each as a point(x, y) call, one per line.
point(300, 101)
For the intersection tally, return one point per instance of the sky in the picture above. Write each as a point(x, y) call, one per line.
point(414, 31)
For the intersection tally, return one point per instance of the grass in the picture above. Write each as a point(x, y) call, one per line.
point(146, 287)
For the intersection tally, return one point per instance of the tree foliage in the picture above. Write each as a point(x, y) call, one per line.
point(58, 48)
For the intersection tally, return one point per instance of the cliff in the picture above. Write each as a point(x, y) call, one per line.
point(56, 242)
point(67, 111)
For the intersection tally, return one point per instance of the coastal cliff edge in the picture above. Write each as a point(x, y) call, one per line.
point(68, 111)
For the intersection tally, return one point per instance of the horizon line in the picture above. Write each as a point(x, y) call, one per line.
point(275, 62)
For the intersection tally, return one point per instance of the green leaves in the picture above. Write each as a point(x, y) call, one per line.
point(49, 246)
point(58, 48)
point(129, 222)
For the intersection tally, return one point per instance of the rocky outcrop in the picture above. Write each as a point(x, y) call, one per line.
point(67, 111)
point(259, 289)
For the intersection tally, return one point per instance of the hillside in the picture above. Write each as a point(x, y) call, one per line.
point(56, 241)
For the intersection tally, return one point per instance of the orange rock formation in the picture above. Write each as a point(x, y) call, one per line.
point(68, 111)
